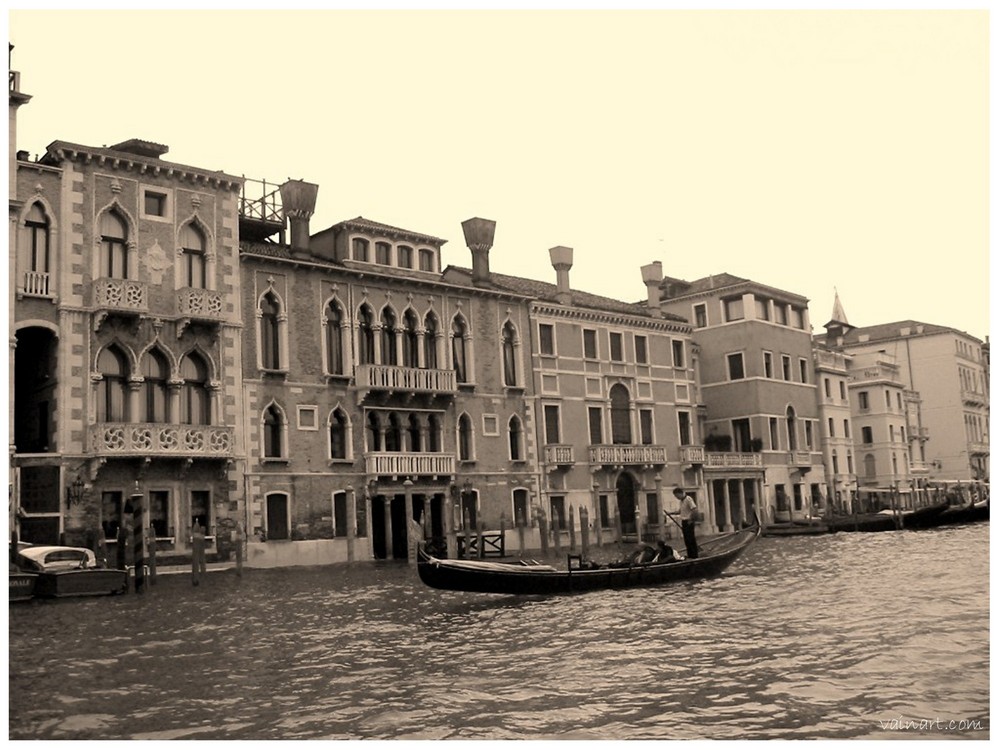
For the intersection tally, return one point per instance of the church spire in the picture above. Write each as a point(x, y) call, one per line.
point(839, 316)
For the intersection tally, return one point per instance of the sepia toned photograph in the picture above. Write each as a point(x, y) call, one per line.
point(519, 375)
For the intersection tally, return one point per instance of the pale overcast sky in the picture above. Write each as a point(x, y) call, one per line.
point(806, 150)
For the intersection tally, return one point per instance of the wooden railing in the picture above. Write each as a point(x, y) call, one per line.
point(628, 454)
point(410, 464)
point(143, 439)
point(406, 379)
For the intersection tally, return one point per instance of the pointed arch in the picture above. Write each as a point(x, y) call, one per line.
point(460, 339)
point(366, 334)
point(334, 323)
point(272, 330)
point(117, 256)
point(431, 335)
point(154, 399)
point(340, 434)
point(274, 426)
point(112, 365)
point(510, 346)
point(388, 321)
point(195, 395)
point(193, 250)
point(411, 338)
point(36, 249)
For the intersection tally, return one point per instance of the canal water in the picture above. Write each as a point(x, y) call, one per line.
point(843, 636)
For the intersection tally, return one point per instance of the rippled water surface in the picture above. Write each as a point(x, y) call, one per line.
point(841, 636)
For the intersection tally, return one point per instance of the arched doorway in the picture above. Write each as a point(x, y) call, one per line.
point(626, 490)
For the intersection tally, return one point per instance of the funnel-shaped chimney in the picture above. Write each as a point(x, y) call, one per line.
point(298, 201)
point(652, 276)
point(479, 239)
point(562, 261)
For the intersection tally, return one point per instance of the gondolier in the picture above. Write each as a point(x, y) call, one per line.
point(689, 516)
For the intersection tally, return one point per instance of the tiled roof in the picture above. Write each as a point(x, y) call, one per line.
point(545, 291)
point(886, 331)
point(52, 156)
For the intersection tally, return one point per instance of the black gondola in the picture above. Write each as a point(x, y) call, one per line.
point(519, 578)
point(886, 520)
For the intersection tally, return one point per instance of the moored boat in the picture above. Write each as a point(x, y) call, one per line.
point(889, 520)
point(70, 571)
point(517, 578)
point(22, 585)
point(795, 529)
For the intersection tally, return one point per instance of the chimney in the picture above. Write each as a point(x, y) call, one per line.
point(298, 201)
point(479, 239)
point(652, 275)
point(562, 261)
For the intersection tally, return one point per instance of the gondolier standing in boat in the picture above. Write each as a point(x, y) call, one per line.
point(688, 514)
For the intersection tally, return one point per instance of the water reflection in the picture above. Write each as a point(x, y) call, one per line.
point(804, 637)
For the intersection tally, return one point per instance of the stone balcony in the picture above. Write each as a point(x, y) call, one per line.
point(692, 454)
point(109, 439)
point(119, 297)
point(394, 465)
point(716, 460)
point(628, 455)
point(35, 284)
point(393, 378)
point(919, 467)
point(800, 459)
point(559, 455)
point(200, 304)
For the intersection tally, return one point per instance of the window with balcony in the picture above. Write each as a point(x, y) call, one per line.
point(333, 335)
point(270, 332)
point(733, 308)
point(426, 258)
point(741, 435)
point(339, 435)
point(383, 253)
point(393, 434)
point(735, 362)
point(621, 418)
point(112, 395)
point(508, 345)
point(404, 256)
point(685, 434)
point(589, 343)
point(516, 437)
point(366, 336)
point(413, 433)
point(33, 251)
point(388, 322)
point(551, 412)
point(411, 340)
point(459, 331)
point(617, 347)
point(272, 422)
point(430, 341)
point(194, 391)
point(373, 432)
point(193, 247)
point(646, 426)
point(155, 374)
point(866, 435)
point(546, 339)
point(434, 433)
point(768, 365)
point(114, 250)
point(359, 249)
point(700, 316)
point(465, 448)
point(594, 417)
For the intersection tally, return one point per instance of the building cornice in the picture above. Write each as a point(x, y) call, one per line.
point(609, 318)
point(742, 286)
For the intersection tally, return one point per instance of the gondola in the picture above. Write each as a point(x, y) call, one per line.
point(532, 578)
point(885, 520)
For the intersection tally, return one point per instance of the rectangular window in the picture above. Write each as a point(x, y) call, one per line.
point(359, 249)
point(404, 255)
point(602, 501)
point(646, 426)
point(892, 433)
point(899, 400)
point(843, 393)
point(700, 316)
point(888, 399)
point(786, 367)
point(772, 426)
point(733, 308)
point(546, 339)
point(780, 314)
point(735, 366)
point(797, 493)
point(863, 400)
point(803, 370)
point(426, 260)
point(768, 365)
point(847, 428)
point(154, 204)
point(652, 508)
point(159, 513)
point(798, 318)
point(741, 435)
point(641, 354)
point(830, 427)
point(308, 419)
point(760, 307)
point(677, 349)
point(595, 419)
point(340, 514)
point(361, 517)
point(850, 464)
point(617, 348)
point(383, 253)
point(589, 344)
point(826, 387)
point(684, 427)
point(551, 424)
point(866, 435)
point(809, 434)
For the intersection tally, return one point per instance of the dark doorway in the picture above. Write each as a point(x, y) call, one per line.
point(34, 390)
point(625, 488)
point(378, 528)
point(399, 527)
point(277, 517)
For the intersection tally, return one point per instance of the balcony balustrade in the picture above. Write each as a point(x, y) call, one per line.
point(410, 464)
point(919, 467)
point(624, 455)
point(405, 379)
point(181, 440)
point(36, 284)
point(200, 304)
point(715, 460)
point(979, 449)
point(121, 295)
point(692, 454)
point(800, 458)
point(561, 455)
point(973, 398)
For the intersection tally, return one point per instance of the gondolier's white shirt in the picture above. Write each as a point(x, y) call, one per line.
point(688, 505)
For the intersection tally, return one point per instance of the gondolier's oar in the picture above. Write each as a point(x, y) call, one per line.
point(674, 520)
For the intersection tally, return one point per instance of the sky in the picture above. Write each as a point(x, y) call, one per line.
point(806, 150)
